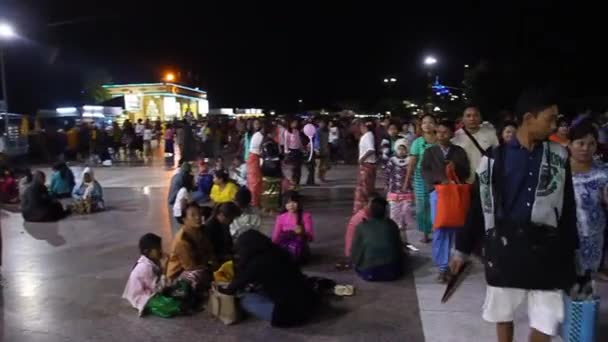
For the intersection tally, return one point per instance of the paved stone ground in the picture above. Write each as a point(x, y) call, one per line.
point(63, 281)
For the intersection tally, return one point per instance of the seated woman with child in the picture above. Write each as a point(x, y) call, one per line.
point(88, 195)
point(191, 259)
point(377, 249)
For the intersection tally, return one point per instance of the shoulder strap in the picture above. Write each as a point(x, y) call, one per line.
point(483, 153)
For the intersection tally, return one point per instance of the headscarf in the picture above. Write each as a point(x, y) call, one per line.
point(401, 142)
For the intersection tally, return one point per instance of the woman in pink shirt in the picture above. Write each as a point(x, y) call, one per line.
point(293, 229)
point(293, 152)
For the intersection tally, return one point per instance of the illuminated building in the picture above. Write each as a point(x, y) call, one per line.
point(166, 101)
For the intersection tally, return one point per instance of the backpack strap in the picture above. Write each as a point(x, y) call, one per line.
point(481, 150)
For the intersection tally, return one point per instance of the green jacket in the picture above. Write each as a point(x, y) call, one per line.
point(377, 243)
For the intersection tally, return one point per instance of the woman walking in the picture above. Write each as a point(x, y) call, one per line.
point(366, 178)
point(590, 180)
point(254, 171)
point(414, 174)
point(293, 152)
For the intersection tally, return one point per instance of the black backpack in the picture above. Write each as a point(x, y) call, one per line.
point(271, 159)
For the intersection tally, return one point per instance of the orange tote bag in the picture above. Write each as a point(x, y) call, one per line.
point(453, 201)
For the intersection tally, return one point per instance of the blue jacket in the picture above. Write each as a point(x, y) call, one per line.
point(60, 186)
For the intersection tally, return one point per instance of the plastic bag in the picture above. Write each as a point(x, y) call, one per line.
point(163, 306)
point(225, 273)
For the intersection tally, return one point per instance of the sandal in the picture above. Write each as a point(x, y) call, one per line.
point(344, 290)
point(343, 266)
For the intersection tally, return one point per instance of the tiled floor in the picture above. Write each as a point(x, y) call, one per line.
point(63, 281)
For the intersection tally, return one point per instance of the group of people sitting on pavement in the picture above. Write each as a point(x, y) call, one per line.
point(40, 201)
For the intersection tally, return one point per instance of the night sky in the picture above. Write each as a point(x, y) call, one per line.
point(269, 56)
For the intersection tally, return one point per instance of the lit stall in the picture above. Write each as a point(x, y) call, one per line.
point(166, 101)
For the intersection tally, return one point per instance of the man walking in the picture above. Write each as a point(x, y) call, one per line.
point(474, 137)
point(524, 212)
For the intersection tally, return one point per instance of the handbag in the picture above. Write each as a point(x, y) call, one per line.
point(453, 202)
point(222, 306)
point(581, 319)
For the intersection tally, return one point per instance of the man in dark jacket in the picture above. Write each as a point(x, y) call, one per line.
point(524, 212)
point(434, 164)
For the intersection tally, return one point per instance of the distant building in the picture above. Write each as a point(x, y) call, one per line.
point(164, 101)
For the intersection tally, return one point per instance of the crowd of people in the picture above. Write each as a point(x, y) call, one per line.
point(538, 205)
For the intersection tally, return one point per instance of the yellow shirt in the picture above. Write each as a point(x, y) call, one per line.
point(224, 195)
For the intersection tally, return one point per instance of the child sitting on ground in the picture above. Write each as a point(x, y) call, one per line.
point(249, 219)
point(238, 171)
point(293, 229)
point(145, 284)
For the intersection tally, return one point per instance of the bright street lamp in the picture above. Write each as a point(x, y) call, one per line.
point(430, 60)
point(300, 101)
point(170, 77)
point(6, 32)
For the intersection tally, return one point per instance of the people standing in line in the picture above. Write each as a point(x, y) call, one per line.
point(158, 131)
point(400, 199)
point(414, 175)
point(139, 137)
point(435, 162)
point(561, 133)
point(377, 250)
point(116, 139)
point(254, 170)
point(590, 179)
point(293, 152)
point(334, 141)
point(507, 131)
point(188, 150)
point(38, 205)
point(84, 141)
point(322, 149)
point(523, 209)
point(72, 143)
point(169, 141)
point(475, 137)
point(179, 137)
point(147, 137)
point(366, 177)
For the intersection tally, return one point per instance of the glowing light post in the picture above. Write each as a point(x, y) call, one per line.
point(170, 77)
point(429, 62)
point(6, 32)
point(390, 82)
